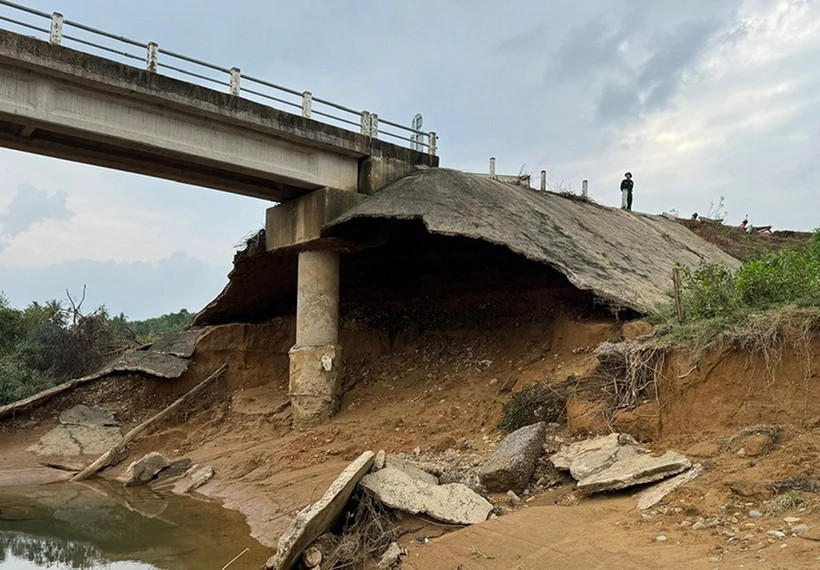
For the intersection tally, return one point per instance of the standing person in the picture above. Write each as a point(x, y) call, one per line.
point(626, 191)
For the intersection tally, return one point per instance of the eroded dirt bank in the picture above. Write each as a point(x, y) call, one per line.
point(439, 383)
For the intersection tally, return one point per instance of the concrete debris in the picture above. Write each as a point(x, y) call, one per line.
point(82, 415)
point(655, 494)
point(614, 462)
point(74, 447)
point(381, 460)
point(411, 469)
point(145, 469)
point(453, 502)
point(391, 557)
point(511, 465)
point(316, 519)
point(312, 557)
point(196, 476)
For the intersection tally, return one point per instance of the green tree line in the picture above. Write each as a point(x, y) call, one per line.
point(46, 344)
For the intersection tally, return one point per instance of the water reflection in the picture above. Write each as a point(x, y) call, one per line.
point(99, 525)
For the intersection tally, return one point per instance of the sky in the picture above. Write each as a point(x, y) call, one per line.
point(706, 102)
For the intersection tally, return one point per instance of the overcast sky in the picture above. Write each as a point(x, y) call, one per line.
point(698, 99)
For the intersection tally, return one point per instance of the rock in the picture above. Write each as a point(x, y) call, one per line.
point(755, 514)
point(176, 468)
point(515, 499)
point(699, 526)
point(634, 467)
point(83, 415)
point(391, 556)
point(453, 503)
point(312, 557)
point(758, 444)
point(511, 465)
point(777, 534)
point(661, 538)
point(196, 477)
point(143, 470)
point(634, 329)
point(652, 496)
point(741, 452)
point(791, 520)
point(799, 529)
point(705, 449)
point(317, 518)
point(381, 460)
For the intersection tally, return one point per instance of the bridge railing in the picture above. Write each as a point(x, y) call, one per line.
point(60, 30)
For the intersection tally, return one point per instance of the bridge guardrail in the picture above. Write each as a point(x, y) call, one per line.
point(59, 29)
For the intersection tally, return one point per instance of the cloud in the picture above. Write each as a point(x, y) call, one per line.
point(138, 289)
point(28, 207)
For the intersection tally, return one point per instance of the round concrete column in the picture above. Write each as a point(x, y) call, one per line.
point(317, 299)
point(316, 358)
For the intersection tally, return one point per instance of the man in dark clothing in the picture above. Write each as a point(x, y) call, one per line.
point(626, 191)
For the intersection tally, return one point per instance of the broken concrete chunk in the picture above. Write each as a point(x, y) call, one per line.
point(317, 518)
point(569, 454)
point(143, 470)
point(391, 556)
point(381, 460)
point(77, 440)
point(634, 467)
point(453, 503)
point(410, 469)
point(82, 415)
point(511, 465)
point(655, 494)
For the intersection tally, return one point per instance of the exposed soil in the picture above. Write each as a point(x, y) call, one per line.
point(743, 245)
point(439, 381)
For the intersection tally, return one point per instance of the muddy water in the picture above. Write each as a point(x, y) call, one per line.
point(93, 526)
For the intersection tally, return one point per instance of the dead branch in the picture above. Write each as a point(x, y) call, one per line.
point(112, 454)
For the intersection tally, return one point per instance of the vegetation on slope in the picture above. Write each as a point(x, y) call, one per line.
point(46, 344)
point(758, 301)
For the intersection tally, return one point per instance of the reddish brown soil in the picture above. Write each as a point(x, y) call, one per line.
point(745, 246)
point(444, 388)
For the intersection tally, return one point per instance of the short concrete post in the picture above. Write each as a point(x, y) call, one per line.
point(235, 78)
point(585, 188)
point(492, 167)
point(151, 58)
point(316, 358)
point(55, 36)
point(374, 125)
point(365, 123)
point(307, 103)
point(543, 180)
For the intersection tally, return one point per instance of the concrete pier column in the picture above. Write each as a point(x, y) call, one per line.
point(316, 358)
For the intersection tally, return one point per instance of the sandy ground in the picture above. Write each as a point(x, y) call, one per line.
point(437, 390)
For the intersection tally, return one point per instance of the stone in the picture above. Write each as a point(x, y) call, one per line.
point(74, 447)
point(661, 538)
point(511, 465)
point(391, 556)
point(453, 503)
point(82, 415)
point(634, 466)
point(650, 497)
point(791, 520)
point(777, 534)
point(758, 444)
point(755, 514)
point(699, 526)
point(312, 557)
point(515, 499)
point(799, 529)
point(144, 469)
point(316, 519)
point(381, 460)
point(195, 478)
point(634, 329)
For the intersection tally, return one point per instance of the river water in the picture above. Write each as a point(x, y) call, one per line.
point(102, 525)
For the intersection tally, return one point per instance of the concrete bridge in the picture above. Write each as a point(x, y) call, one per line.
point(64, 103)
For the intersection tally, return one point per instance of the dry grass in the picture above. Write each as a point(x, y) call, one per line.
point(367, 534)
